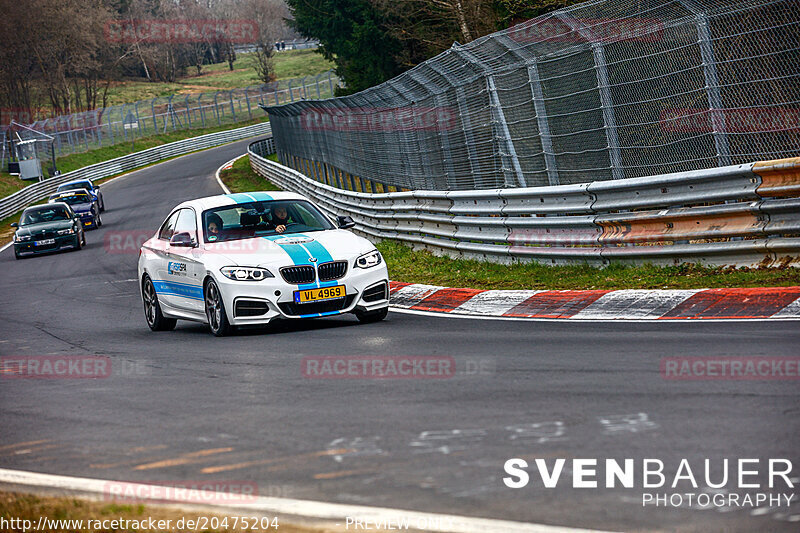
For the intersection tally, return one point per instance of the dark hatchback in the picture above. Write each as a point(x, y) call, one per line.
point(48, 228)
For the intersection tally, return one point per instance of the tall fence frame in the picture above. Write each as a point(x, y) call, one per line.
point(603, 90)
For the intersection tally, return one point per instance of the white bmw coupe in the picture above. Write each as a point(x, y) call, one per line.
point(249, 258)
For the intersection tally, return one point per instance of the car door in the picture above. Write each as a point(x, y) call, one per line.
point(160, 261)
point(185, 270)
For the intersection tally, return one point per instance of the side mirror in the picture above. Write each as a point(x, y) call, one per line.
point(182, 239)
point(345, 222)
point(14, 225)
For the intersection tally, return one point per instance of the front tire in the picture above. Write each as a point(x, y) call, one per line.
point(102, 205)
point(98, 221)
point(372, 316)
point(215, 310)
point(152, 309)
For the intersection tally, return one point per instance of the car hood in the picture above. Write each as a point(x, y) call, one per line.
point(41, 227)
point(281, 250)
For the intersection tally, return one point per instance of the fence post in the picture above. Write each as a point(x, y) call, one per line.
point(544, 126)
point(171, 111)
point(138, 120)
point(153, 110)
point(499, 119)
point(604, 86)
point(330, 83)
point(466, 127)
point(188, 112)
point(216, 109)
point(706, 45)
point(509, 157)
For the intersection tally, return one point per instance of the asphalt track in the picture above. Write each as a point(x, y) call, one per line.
point(184, 405)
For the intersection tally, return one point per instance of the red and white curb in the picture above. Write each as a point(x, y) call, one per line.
point(633, 304)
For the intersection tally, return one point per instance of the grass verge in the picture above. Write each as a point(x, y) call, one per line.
point(287, 64)
point(424, 267)
point(32, 507)
point(241, 178)
point(412, 266)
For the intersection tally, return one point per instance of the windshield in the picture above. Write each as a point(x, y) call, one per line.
point(44, 214)
point(260, 219)
point(77, 198)
point(78, 185)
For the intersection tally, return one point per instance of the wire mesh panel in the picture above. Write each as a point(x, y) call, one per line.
point(607, 89)
point(107, 126)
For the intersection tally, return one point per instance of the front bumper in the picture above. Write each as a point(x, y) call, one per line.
point(263, 301)
point(62, 242)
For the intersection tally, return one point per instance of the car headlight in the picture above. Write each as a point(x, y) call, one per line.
point(246, 273)
point(21, 238)
point(369, 260)
point(68, 231)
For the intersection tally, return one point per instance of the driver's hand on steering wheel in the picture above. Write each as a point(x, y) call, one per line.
point(281, 228)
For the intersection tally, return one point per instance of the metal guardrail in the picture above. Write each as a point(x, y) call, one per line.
point(22, 198)
point(742, 215)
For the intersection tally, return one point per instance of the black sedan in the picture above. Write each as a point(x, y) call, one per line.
point(84, 205)
point(48, 228)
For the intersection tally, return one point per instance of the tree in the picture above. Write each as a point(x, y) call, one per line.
point(354, 35)
point(374, 40)
point(270, 18)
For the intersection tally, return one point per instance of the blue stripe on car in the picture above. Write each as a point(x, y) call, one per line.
point(239, 198)
point(178, 289)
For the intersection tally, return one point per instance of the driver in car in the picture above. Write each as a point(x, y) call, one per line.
point(280, 219)
point(213, 227)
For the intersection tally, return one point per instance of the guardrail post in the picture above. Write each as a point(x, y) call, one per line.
point(604, 87)
point(705, 42)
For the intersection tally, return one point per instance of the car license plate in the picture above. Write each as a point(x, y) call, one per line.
point(316, 295)
point(45, 242)
point(87, 223)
